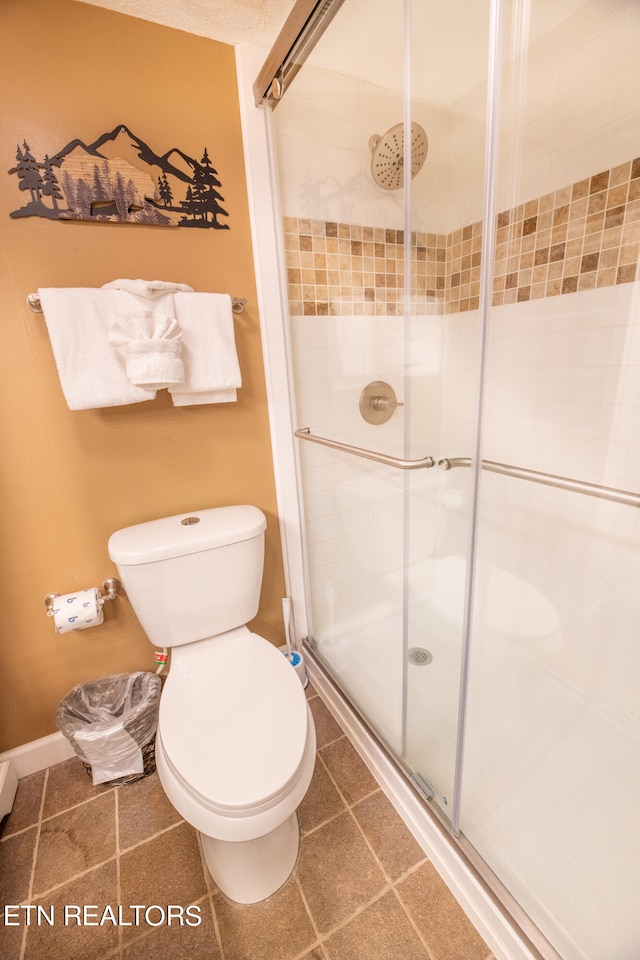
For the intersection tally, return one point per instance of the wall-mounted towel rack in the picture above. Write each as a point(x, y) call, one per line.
point(33, 302)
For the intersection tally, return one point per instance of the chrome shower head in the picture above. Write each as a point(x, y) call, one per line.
point(387, 155)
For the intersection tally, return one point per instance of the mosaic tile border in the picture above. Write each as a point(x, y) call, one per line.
point(583, 236)
point(335, 268)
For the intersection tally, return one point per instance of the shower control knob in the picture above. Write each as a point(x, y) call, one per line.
point(385, 403)
point(378, 402)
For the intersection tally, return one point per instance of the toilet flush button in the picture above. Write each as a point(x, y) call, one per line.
point(189, 520)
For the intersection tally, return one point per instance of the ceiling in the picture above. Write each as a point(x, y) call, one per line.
point(230, 21)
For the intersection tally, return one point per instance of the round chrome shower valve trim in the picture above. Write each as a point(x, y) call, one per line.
point(378, 402)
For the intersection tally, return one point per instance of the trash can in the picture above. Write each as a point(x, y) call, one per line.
point(111, 724)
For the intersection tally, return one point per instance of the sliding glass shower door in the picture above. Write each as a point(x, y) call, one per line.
point(550, 791)
point(371, 243)
point(345, 274)
point(447, 63)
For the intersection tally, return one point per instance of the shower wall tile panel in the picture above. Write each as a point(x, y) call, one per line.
point(562, 396)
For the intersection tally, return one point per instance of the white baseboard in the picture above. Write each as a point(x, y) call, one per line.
point(8, 787)
point(38, 755)
point(471, 894)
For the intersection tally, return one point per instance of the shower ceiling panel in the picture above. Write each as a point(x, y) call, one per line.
point(435, 81)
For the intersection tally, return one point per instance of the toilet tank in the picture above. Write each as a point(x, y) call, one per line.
point(195, 575)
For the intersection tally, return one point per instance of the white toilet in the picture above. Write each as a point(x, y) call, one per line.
point(235, 746)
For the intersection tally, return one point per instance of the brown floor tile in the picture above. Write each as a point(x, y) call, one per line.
point(178, 942)
point(391, 841)
point(16, 861)
point(348, 770)
point(278, 927)
point(67, 785)
point(336, 879)
point(74, 841)
point(167, 869)
point(381, 932)
point(27, 803)
point(72, 941)
point(11, 939)
point(337, 871)
point(447, 931)
point(143, 810)
point(327, 729)
point(322, 800)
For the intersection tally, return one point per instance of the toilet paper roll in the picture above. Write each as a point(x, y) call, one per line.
point(77, 611)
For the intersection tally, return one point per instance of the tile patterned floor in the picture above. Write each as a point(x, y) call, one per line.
point(362, 888)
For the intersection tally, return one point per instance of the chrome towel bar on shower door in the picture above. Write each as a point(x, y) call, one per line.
point(626, 497)
point(548, 479)
point(423, 463)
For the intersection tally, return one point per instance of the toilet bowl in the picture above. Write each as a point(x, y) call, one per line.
point(235, 746)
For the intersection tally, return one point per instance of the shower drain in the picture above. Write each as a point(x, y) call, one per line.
point(419, 656)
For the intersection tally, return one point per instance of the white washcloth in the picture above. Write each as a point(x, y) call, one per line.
point(150, 343)
point(149, 289)
point(91, 373)
point(208, 349)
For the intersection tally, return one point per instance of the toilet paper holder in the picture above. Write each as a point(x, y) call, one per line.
point(111, 586)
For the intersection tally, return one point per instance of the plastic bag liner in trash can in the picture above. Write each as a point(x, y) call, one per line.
point(109, 721)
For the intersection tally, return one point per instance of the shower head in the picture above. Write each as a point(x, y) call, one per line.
point(387, 155)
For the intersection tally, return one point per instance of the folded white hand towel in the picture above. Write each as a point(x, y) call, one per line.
point(208, 349)
point(149, 289)
point(91, 373)
point(150, 343)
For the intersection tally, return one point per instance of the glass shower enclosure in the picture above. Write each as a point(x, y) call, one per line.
point(465, 345)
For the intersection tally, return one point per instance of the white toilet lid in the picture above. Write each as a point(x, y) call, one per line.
point(233, 720)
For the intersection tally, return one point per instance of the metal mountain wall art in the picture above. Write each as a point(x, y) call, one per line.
point(119, 178)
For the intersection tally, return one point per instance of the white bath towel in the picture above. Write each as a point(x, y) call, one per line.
point(91, 372)
point(148, 289)
point(150, 342)
point(212, 371)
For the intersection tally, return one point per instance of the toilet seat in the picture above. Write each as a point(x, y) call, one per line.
point(234, 723)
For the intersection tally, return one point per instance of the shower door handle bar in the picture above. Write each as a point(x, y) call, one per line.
point(423, 463)
point(626, 497)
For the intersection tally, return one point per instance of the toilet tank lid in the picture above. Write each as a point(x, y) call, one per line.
point(185, 533)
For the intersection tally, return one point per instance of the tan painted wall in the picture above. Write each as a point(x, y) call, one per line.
point(68, 479)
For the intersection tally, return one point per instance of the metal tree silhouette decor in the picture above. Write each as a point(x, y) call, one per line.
point(119, 178)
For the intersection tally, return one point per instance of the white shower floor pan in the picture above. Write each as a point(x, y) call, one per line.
point(551, 785)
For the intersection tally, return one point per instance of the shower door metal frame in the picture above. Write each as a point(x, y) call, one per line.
point(301, 31)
